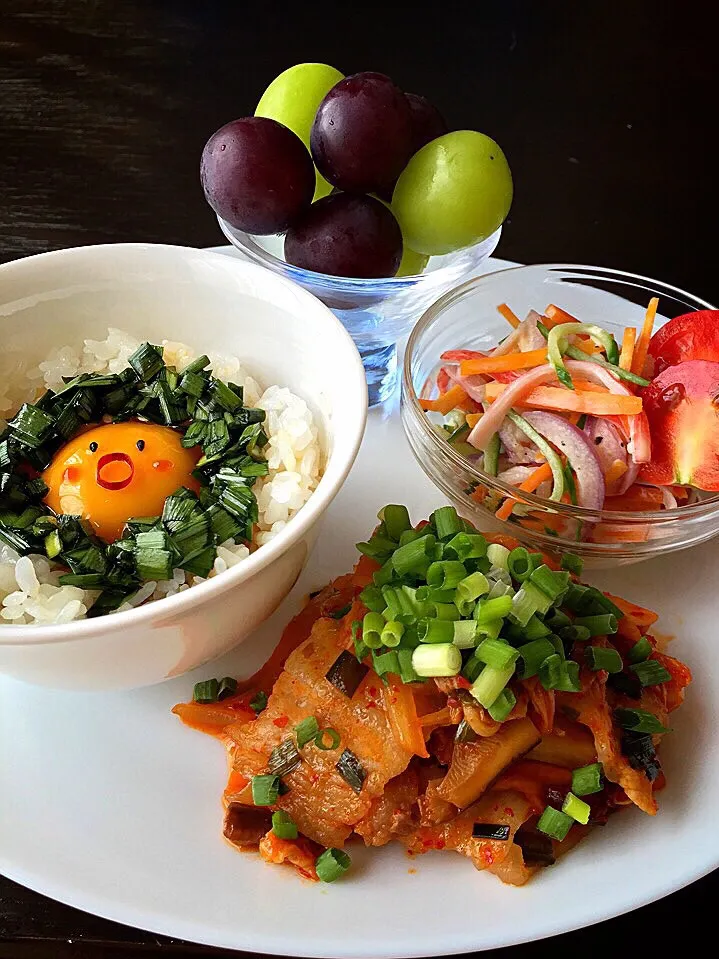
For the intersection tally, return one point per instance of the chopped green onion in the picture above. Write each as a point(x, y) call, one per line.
point(372, 626)
point(378, 547)
point(550, 582)
point(410, 535)
point(587, 779)
point(206, 691)
point(443, 611)
point(435, 631)
point(265, 790)
point(554, 823)
point(321, 739)
point(535, 629)
point(490, 683)
point(498, 556)
point(557, 620)
point(406, 671)
point(639, 721)
point(227, 688)
point(532, 656)
point(373, 599)
point(351, 770)
point(600, 658)
point(392, 633)
point(465, 634)
point(414, 558)
point(384, 663)
point(306, 731)
point(488, 610)
point(502, 706)
point(550, 671)
point(574, 634)
point(447, 574)
point(603, 625)
point(282, 825)
point(435, 660)
point(640, 651)
point(569, 679)
point(472, 668)
point(527, 601)
point(332, 864)
point(471, 587)
point(361, 650)
point(491, 456)
point(496, 653)
point(258, 702)
point(651, 672)
point(520, 564)
point(446, 522)
point(572, 563)
point(576, 808)
point(396, 521)
point(465, 546)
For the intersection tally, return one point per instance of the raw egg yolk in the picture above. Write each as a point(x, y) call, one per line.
point(112, 473)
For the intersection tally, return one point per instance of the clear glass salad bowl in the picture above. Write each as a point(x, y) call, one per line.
point(377, 313)
point(467, 317)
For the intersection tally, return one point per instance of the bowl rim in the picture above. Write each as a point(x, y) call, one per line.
point(464, 291)
point(388, 284)
point(172, 607)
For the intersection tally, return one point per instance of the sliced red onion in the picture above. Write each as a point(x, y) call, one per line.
point(580, 453)
point(473, 386)
point(609, 447)
point(516, 474)
point(523, 337)
point(516, 445)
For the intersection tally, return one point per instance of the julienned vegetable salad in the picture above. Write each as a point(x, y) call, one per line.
point(453, 692)
point(562, 410)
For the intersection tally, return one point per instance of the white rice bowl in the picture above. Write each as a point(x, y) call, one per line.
point(30, 592)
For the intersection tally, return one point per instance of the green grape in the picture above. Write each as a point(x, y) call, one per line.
point(412, 262)
point(293, 98)
point(455, 191)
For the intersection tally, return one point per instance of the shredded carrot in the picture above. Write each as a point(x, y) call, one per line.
point(494, 388)
point(590, 401)
point(473, 419)
point(615, 472)
point(509, 316)
point(642, 348)
point(503, 364)
point(586, 345)
point(628, 340)
point(454, 397)
point(535, 479)
point(556, 315)
point(402, 715)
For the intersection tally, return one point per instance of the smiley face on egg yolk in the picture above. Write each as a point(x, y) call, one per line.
point(111, 473)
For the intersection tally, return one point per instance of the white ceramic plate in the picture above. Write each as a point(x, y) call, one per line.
point(109, 804)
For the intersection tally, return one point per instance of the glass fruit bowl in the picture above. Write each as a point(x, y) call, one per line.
point(377, 313)
point(467, 318)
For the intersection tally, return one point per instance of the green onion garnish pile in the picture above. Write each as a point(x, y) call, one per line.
point(445, 603)
point(211, 414)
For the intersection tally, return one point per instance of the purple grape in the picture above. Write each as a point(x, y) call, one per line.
point(257, 175)
point(346, 235)
point(427, 122)
point(362, 134)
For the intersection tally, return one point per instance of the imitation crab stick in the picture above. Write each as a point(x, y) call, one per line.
point(504, 364)
point(455, 396)
point(590, 401)
point(642, 347)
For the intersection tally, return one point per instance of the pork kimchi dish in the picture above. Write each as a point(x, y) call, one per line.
point(454, 692)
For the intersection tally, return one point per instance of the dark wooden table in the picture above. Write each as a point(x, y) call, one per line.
point(602, 109)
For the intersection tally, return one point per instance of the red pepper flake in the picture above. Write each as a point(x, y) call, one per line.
point(281, 721)
point(508, 811)
point(440, 844)
point(372, 690)
point(488, 856)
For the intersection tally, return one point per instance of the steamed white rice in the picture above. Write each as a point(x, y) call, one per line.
point(29, 588)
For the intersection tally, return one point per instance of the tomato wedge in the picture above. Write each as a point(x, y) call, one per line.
point(691, 336)
point(682, 407)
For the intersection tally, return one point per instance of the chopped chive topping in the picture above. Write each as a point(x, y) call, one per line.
point(258, 702)
point(554, 823)
point(572, 563)
point(351, 770)
point(206, 691)
point(265, 790)
point(306, 731)
point(600, 658)
point(651, 672)
point(587, 780)
point(327, 739)
point(332, 864)
point(576, 808)
point(284, 758)
point(282, 825)
point(639, 721)
point(226, 688)
point(640, 651)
